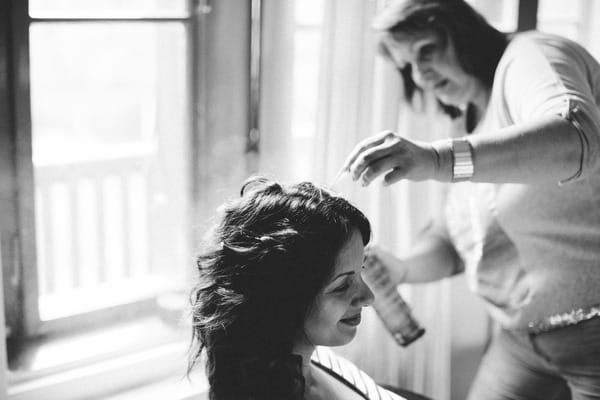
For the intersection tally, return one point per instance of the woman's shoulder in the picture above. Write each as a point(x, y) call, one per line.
point(534, 55)
point(548, 44)
point(349, 374)
point(538, 37)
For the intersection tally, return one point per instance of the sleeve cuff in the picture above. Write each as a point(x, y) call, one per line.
point(570, 114)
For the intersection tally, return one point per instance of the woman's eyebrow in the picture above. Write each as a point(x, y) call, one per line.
point(341, 275)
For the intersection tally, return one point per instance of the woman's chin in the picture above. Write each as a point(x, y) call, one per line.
point(344, 340)
point(347, 335)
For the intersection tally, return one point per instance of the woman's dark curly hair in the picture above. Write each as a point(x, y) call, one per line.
point(479, 46)
point(266, 261)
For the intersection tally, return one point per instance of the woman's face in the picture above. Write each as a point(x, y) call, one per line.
point(435, 66)
point(336, 314)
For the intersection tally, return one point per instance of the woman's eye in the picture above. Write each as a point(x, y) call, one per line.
point(426, 51)
point(342, 288)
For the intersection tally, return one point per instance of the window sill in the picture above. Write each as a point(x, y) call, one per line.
point(104, 364)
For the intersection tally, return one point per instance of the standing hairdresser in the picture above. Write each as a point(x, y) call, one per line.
point(522, 216)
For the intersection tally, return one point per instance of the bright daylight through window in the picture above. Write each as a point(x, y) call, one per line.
point(104, 102)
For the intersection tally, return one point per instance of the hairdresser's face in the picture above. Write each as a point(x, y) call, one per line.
point(336, 314)
point(435, 66)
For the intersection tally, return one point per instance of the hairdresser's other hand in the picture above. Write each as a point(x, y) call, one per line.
point(397, 268)
point(393, 155)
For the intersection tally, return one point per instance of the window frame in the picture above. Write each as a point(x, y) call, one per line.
point(22, 290)
point(20, 325)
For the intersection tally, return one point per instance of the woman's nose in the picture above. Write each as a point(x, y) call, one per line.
point(365, 296)
point(419, 73)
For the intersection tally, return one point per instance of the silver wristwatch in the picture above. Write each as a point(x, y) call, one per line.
point(462, 157)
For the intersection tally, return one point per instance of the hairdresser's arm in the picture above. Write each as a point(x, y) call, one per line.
point(547, 149)
point(431, 259)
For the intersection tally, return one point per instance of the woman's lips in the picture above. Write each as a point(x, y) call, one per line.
point(352, 321)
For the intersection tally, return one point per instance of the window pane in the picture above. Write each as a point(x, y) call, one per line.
point(554, 10)
point(501, 14)
point(306, 74)
point(109, 127)
point(106, 8)
point(561, 18)
point(309, 12)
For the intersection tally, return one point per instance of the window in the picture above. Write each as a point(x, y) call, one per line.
point(96, 183)
point(575, 20)
point(501, 14)
point(564, 19)
point(110, 196)
point(308, 40)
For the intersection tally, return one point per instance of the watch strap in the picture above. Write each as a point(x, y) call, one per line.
point(462, 155)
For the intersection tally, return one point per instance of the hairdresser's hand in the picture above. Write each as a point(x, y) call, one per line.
point(395, 156)
point(397, 268)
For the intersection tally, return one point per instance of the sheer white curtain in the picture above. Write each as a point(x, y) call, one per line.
point(354, 95)
point(3, 350)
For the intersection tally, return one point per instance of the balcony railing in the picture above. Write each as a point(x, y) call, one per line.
point(93, 234)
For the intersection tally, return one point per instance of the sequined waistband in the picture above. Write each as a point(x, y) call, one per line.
point(557, 321)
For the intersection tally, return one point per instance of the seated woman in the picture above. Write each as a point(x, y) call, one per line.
point(281, 277)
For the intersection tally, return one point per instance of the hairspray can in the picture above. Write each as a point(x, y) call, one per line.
point(391, 308)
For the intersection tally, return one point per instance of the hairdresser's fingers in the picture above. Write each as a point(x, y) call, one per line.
point(417, 162)
point(412, 169)
point(365, 145)
point(389, 162)
point(394, 176)
point(407, 159)
point(393, 148)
